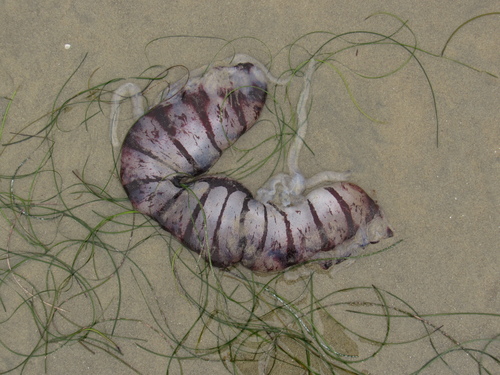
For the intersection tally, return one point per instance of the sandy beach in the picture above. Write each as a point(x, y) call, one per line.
point(82, 293)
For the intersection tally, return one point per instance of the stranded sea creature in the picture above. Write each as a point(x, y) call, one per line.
point(171, 146)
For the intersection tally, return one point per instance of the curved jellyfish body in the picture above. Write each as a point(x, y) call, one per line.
point(168, 149)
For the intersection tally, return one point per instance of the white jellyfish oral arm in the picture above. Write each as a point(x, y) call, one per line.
point(286, 189)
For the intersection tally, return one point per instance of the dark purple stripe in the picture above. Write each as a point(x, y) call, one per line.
point(186, 237)
point(160, 115)
point(262, 243)
point(164, 208)
point(326, 242)
point(242, 243)
point(232, 187)
point(199, 101)
point(373, 208)
point(197, 169)
point(238, 101)
point(131, 142)
point(351, 227)
point(291, 255)
point(135, 186)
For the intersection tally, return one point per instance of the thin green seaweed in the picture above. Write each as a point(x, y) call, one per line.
point(242, 319)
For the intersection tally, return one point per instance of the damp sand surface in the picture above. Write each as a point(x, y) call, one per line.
point(436, 181)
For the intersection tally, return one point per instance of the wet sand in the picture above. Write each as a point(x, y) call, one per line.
point(443, 202)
